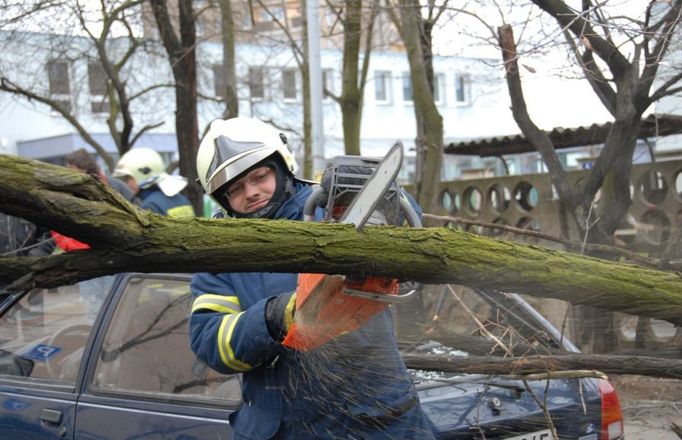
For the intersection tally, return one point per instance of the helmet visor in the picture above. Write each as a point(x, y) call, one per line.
point(231, 158)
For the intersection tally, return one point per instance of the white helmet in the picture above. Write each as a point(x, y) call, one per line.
point(147, 168)
point(232, 146)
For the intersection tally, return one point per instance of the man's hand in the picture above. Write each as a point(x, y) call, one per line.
point(279, 315)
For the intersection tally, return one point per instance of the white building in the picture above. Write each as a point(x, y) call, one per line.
point(471, 96)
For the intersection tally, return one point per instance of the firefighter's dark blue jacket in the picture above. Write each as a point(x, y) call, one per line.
point(156, 201)
point(355, 386)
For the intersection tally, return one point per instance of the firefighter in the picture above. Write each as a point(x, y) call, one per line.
point(144, 172)
point(356, 385)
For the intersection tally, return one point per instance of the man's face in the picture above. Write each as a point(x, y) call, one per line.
point(132, 183)
point(253, 191)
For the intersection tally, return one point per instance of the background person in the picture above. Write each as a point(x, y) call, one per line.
point(142, 169)
point(355, 386)
point(83, 161)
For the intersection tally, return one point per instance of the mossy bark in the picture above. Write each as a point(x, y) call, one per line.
point(126, 238)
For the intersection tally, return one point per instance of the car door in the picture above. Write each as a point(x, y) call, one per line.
point(143, 381)
point(43, 336)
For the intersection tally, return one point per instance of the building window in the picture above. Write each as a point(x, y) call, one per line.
point(407, 87)
point(219, 84)
point(267, 18)
point(59, 83)
point(382, 87)
point(289, 84)
point(461, 92)
point(244, 19)
point(97, 82)
point(439, 88)
point(97, 79)
point(256, 85)
point(275, 13)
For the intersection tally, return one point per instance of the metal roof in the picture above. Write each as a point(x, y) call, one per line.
point(653, 125)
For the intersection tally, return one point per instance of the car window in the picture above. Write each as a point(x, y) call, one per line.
point(43, 335)
point(473, 322)
point(146, 348)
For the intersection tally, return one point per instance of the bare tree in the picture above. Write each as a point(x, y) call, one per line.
point(621, 58)
point(108, 49)
point(357, 18)
point(229, 60)
point(180, 45)
point(408, 19)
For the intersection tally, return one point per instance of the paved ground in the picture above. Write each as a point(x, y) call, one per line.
point(650, 406)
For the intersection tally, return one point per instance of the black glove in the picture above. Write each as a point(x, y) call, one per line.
point(279, 315)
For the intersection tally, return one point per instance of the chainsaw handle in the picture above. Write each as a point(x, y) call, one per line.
point(317, 199)
point(410, 214)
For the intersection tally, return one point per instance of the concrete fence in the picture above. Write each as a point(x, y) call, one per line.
point(652, 226)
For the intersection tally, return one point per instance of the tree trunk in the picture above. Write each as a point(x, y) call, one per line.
point(125, 238)
point(351, 93)
point(423, 105)
point(615, 178)
point(229, 62)
point(537, 137)
point(308, 159)
point(182, 58)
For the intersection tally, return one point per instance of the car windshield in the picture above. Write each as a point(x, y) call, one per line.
point(460, 321)
point(43, 335)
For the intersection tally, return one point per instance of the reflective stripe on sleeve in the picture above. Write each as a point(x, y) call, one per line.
point(217, 303)
point(182, 211)
point(224, 347)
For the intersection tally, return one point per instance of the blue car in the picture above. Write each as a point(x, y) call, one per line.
point(109, 359)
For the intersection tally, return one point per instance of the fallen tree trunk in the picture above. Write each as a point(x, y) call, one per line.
point(125, 238)
point(609, 364)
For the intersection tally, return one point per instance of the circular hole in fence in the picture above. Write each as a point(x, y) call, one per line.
point(628, 327)
point(678, 185)
point(655, 226)
point(526, 195)
point(653, 187)
point(663, 329)
point(494, 232)
point(499, 197)
point(446, 201)
point(473, 199)
point(528, 223)
point(456, 202)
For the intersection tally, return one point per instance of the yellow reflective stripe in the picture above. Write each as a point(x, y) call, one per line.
point(183, 211)
point(224, 347)
point(216, 303)
point(289, 312)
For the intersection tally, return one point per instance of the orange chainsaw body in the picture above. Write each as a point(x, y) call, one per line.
point(324, 309)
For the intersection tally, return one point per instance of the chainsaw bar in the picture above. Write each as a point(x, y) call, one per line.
point(366, 201)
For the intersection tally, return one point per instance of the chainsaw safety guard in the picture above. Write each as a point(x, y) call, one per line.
point(324, 311)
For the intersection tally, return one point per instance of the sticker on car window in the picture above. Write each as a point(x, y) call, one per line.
point(42, 352)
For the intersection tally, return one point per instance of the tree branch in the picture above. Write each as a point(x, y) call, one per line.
point(125, 238)
point(573, 245)
point(610, 364)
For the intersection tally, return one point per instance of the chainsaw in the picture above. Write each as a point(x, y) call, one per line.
point(354, 190)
